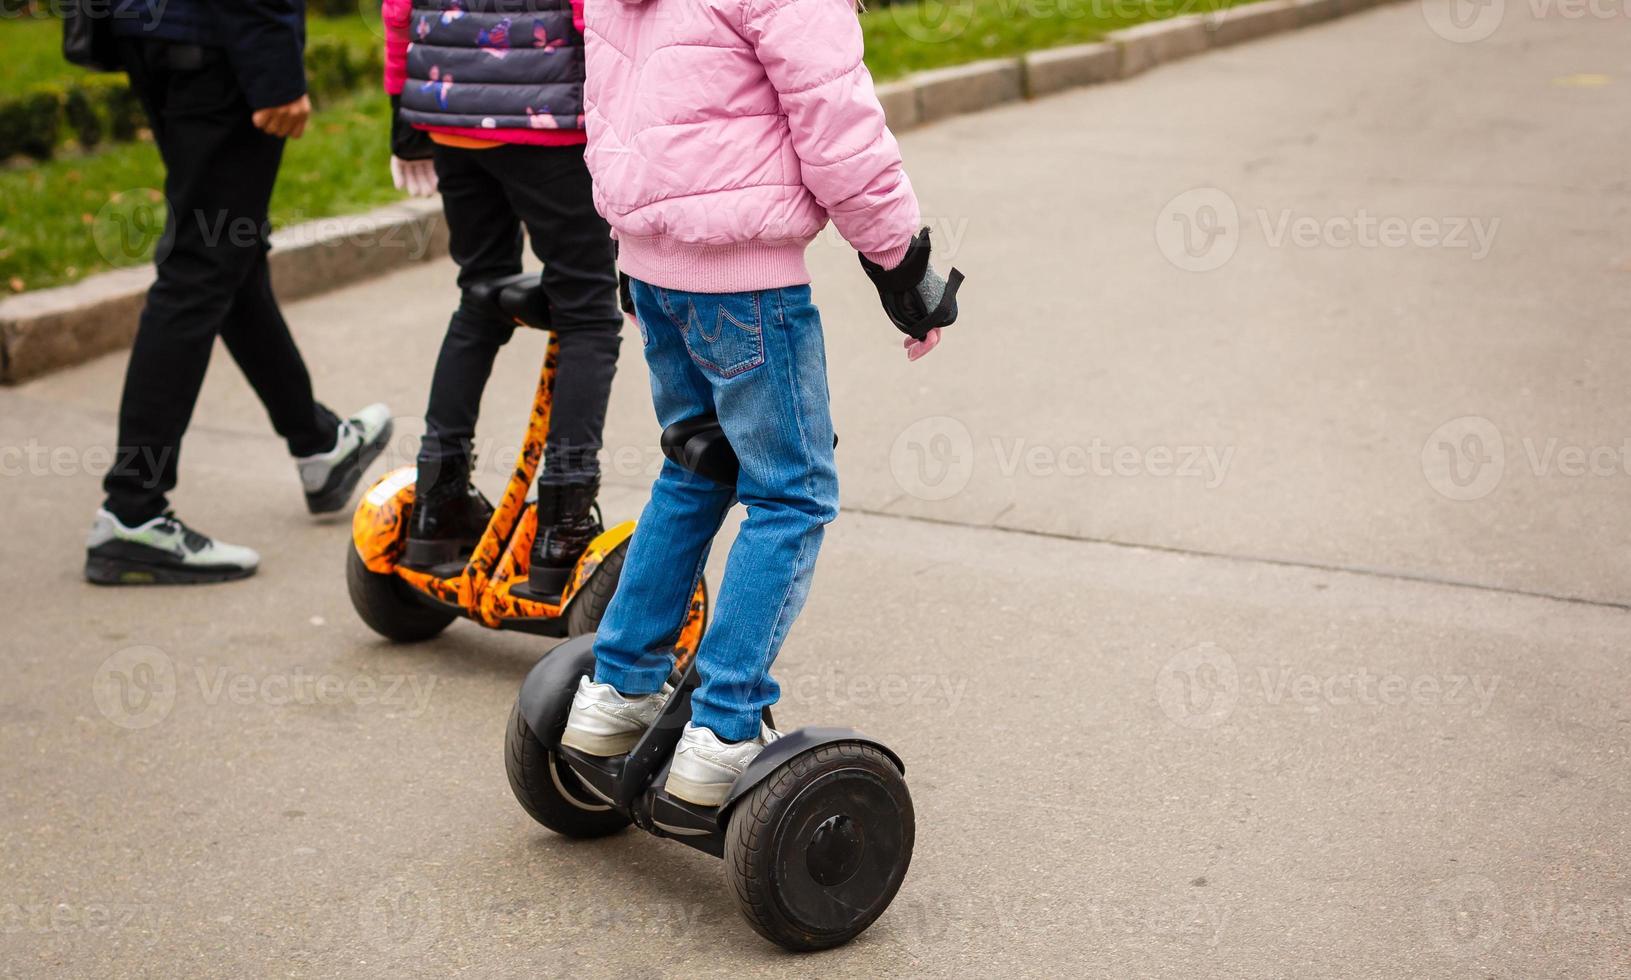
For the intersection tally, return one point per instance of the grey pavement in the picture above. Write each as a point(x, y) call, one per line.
point(1244, 581)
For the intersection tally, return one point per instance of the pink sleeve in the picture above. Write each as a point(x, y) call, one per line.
point(395, 15)
point(811, 50)
point(577, 15)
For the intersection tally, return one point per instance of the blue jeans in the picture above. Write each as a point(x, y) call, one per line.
point(757, 361)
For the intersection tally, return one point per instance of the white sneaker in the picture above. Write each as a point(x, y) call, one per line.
point(604, 722)
point(705, 767)
point(330, 478)
point(162, 551)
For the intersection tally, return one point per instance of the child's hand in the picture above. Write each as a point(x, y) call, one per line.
point(417, 177)
point(916, 300)
point(917, 348)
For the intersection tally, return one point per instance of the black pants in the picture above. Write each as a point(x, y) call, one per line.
point(212, 277)
point(489, 196)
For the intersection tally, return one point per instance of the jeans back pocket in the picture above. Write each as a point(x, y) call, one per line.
point(723, 331)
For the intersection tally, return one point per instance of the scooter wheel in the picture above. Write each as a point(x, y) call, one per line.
point(383, 603)
point(547, 789)
point(589, 605)
point(819, 848)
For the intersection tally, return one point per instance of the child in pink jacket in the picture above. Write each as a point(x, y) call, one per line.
point(723, 136)
point(488, 99)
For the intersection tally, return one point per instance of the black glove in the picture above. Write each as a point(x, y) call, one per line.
point(407, 143)
point(914, 296)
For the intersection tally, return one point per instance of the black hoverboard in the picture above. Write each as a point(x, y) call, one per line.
point(816, 833)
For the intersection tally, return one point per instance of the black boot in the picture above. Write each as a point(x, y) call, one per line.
point(449, 516)
point(566, 525)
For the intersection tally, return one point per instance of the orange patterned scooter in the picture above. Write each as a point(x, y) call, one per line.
point(408, 604)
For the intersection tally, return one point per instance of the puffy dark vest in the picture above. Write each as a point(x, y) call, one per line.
point(494, 64)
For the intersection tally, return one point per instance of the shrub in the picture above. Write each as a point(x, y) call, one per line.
point(117, 104)
point(368, 64)
point(329, 69)
point(32, 122)
point(332, 8)
point(84, 116)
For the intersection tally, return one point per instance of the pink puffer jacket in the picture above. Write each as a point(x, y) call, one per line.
point(723, 134)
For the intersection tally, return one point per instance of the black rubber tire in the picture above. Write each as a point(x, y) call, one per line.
point(589, 605)
point(548, 790)
point(757, 841)
point(382, 602)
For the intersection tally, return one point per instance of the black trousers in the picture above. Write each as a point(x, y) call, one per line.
point(488, 197)
point(212, 277)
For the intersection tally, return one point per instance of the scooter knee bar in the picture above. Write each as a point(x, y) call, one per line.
point(519, 299)
point(699, 445)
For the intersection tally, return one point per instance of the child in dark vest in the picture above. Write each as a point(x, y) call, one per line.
point(488, 105)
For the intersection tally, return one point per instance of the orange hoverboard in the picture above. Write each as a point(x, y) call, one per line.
point(490, 587)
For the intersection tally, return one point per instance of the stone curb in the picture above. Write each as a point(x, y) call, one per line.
point(968, 88)
point(1158, 42)
point(48, 329)
point(1250, 22)
point(1058, 69)
point(1317, 11)
point(54, 328)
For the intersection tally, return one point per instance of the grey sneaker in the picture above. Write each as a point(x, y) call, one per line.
point(330, 478)
point(162, 551)
point(704, 766)
point(605, 723)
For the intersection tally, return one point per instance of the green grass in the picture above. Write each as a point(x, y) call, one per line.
point(908, 37)
point(31, 47)
point(69, 218)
